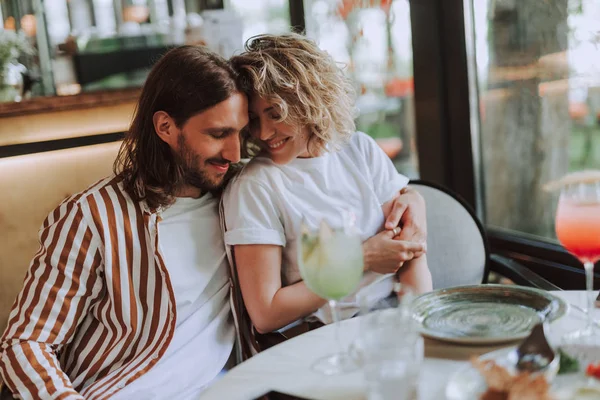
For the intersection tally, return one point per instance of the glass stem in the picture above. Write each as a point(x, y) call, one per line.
point(335, 318)
point(589, 284)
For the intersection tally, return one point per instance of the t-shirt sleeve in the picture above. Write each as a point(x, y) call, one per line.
point(251, 215)
point(387, 181)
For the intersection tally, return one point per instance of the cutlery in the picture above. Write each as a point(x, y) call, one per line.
point(535, 354)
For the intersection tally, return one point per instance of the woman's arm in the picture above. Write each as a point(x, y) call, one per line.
point(415, 273)
point(270, 306)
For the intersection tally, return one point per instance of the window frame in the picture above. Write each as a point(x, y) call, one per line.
point(297, 19)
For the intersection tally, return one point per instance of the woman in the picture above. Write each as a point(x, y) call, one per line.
point(310, 164)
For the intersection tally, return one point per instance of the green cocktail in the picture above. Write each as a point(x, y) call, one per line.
point(331, 264)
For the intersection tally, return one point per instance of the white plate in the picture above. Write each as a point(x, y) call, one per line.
point(468, 384)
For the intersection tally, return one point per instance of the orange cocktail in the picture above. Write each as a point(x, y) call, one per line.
point(578, 228)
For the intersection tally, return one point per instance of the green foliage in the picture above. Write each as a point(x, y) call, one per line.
point(584, 148)
point(12, 45)
point(382, 130)
point(568, 364)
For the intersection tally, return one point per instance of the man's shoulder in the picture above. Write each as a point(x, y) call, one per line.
point(105, 188)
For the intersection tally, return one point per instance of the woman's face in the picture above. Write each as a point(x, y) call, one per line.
point(280, 141)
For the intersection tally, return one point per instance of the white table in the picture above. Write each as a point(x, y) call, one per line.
point(286, 367)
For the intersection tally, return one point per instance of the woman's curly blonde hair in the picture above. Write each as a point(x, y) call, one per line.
point(303, 82)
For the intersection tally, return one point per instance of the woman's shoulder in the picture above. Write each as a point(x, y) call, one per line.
point(258, 168)
point(360, 144)
point(361, 139)
point(258, 171)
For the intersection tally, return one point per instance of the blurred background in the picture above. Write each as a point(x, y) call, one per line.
point(490, 98)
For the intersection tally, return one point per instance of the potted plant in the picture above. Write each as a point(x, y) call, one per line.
point(12, 46)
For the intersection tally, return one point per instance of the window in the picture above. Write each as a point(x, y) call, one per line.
point(538, 78)
point(373, 43)
point(262, 16)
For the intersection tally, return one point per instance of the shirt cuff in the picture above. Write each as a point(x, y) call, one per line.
point(254, 236)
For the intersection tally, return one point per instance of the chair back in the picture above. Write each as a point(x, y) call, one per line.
point(457, 250)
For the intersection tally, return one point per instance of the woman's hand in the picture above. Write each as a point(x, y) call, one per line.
point(384, 254)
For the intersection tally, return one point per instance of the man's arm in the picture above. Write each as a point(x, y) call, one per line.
point(59, 287)
point(385, 254)
point(407, 211)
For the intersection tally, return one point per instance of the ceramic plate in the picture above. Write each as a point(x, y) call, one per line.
point(468, 384)
point(485, 314)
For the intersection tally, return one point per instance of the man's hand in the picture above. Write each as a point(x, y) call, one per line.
point(407, 211)
point(384, 254)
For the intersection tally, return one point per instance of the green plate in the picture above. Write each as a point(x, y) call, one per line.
point(485, 314)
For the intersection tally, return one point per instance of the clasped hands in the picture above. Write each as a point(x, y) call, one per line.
point(404, 236)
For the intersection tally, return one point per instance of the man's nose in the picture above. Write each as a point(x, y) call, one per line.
point(231, 151)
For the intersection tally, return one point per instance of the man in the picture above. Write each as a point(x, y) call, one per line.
point(128, 295)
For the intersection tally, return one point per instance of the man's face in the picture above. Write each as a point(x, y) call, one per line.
point(210, 141)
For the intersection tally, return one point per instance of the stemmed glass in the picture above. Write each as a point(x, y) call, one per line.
point(578, 230)
point(331, 265)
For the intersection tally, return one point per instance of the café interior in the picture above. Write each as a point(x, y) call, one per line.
point(483, 104)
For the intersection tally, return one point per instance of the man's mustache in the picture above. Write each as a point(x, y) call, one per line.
point(220, 161)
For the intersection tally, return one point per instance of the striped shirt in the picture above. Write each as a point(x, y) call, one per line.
point(97, 309)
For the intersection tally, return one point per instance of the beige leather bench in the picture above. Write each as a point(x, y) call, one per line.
point(30, 187)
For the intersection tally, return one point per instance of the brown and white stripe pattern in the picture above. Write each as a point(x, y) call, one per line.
point(97, 309)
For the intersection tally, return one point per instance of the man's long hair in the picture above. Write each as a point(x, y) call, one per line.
point(186, 81)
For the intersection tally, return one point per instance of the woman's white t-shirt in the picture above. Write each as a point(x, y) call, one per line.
point(266, 202)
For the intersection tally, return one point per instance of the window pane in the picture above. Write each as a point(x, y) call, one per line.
point(262, 16)
point(373, 43)
point(538, 72)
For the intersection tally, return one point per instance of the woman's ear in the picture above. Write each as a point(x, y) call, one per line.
point(165, 127)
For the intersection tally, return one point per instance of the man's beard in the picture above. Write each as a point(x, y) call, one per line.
point(192, 174)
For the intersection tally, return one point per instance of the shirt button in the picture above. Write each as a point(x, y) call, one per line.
point(121, 385)
point(155, 357)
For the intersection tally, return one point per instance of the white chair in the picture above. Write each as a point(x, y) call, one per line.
point(457, 246)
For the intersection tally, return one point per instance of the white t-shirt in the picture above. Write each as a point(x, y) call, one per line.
point(266, 203)
point(194, 255)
